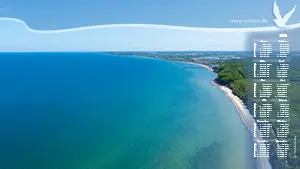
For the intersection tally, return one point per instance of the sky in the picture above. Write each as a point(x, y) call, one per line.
point(65, 14)
point(61, 14)
point(16, 37)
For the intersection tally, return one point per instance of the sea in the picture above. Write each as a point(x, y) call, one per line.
point(87, 110)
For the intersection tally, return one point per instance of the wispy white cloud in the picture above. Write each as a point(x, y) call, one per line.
point(125, 37)
point(245, 30)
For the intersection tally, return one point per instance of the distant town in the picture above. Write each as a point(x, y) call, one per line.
point(209, 58)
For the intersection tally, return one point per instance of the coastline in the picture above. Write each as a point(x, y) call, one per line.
point(194, 63)
point(203, 65)
point(238, 103)
point(247, 118)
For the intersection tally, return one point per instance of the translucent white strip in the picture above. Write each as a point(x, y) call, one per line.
point(256, 29)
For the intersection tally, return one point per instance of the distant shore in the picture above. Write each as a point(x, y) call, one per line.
point(194, 63)
point(238, 103)
point(245, 115)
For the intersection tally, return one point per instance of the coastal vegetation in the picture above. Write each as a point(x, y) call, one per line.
point(232, 75)
point(235, 73)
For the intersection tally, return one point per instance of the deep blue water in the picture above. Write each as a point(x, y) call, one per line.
point(96, 111)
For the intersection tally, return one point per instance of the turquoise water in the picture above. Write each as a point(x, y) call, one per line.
point(95, 111)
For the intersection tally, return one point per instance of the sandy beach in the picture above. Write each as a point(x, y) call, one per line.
point(238, 103)
point(247, 118)
point(205, 66)
point(197, 64)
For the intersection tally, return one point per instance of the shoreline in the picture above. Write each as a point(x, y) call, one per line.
point(193, 63)
point(246, 117)
point(202, 65)
point(237, 102)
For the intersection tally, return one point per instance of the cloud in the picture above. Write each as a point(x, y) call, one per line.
point(124, 37)
point(183, 28)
